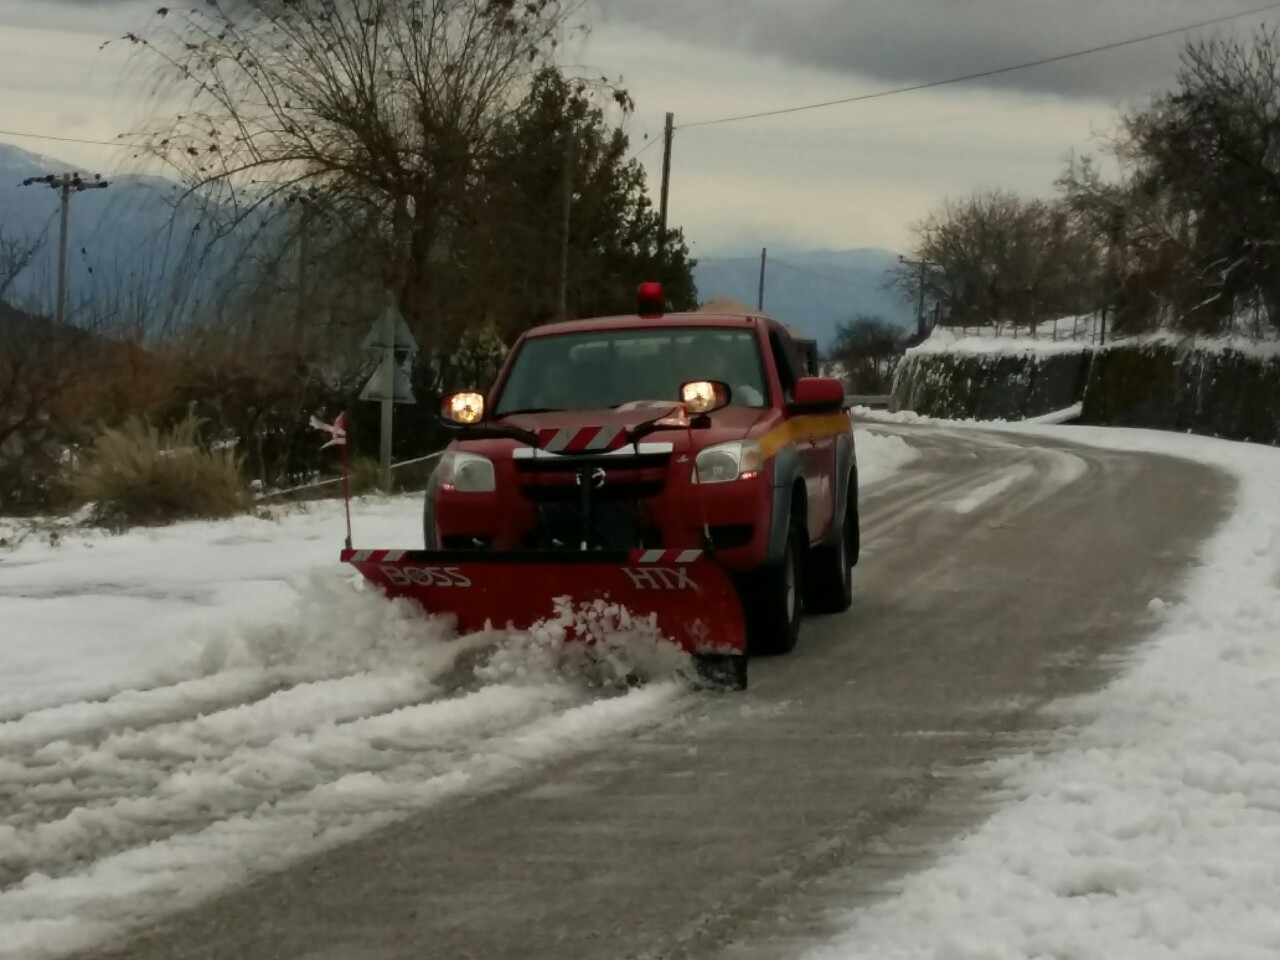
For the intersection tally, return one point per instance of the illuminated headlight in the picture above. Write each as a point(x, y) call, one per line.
point(466, 473)
point(738, 460)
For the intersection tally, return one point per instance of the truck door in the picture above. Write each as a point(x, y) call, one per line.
point(817, 453)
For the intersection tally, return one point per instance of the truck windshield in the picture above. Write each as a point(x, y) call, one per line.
point(609, 368)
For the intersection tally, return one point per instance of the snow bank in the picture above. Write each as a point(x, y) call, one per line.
point(95, 614)
point(985, 341)
point(292, 737)
point(880, 455)
point(1066, 415)
point(1153, 829)
point(191, 706)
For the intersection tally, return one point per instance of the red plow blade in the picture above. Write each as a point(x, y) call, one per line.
point(691, 598)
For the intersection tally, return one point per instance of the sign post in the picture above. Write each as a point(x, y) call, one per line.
point(390, 383)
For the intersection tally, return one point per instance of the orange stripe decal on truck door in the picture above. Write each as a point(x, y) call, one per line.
point(803, 428)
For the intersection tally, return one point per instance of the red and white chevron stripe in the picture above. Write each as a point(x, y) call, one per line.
point(665, 556)
point(645, 557)
point(582, 439)
point(376, 556)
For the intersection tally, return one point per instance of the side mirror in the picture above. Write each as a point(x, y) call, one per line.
point(462, 409)
point(817, 395)
point(701, 397)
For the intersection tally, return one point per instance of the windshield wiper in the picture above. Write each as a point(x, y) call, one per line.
point(526, 410)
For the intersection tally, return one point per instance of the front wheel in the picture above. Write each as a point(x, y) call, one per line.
point(830, 580)
point(771, 600)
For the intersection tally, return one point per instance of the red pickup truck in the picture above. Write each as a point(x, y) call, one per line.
point(632, 456)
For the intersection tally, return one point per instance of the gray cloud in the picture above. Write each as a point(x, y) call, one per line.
point(107, 17)
point(899, 42)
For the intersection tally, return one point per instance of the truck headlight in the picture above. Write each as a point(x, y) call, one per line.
point(736, 460)
point(466, 473)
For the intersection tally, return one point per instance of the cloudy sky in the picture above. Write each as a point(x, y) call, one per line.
point(857, 175)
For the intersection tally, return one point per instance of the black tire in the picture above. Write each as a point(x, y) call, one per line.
point(829, 580)
point(772, 599)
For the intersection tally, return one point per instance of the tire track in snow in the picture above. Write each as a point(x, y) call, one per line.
point(59, 777)
point(91, 784)
point(46, 916)
point(427, 739)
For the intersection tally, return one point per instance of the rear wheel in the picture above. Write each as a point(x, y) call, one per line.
point(830, 580)
point(772, 599)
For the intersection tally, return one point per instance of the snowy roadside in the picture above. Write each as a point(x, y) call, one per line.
point(98, 614)
point(1152, 827)
point(186, 707)
point(880, 455)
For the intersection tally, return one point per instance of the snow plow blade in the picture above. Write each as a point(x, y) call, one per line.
point(690, 598)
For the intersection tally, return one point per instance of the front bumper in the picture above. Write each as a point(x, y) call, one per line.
point(655, 506)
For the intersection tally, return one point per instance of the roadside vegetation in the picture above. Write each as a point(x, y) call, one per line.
point(136, 473)
point(336, 158)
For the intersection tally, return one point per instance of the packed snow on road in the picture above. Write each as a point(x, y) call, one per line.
point(1151, 827)
point(183, 708)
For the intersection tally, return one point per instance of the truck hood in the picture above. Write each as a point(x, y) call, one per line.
point(731, 423)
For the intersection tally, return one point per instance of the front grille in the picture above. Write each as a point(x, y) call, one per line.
point(570, 493)
point(619, 518)
point(616, 525)
point(569, 465)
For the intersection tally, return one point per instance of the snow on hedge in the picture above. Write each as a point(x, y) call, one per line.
point(1007, 341)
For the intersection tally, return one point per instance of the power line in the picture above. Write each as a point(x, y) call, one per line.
point(929, 85)
point(811, 273)
point(652, 141)
point(46, 136)
point(775, 262)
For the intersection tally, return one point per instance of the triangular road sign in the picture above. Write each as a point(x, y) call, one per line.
point(402, 392)
point(375, 340)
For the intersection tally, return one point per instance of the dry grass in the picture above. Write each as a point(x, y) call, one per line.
point(138, 474)
point(366, 477)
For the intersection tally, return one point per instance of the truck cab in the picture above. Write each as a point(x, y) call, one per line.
point(663, 432)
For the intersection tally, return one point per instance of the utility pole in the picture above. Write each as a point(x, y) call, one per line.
point(400, 241)
point(764, 256)
point(304, 259)
point(920, 304)
point(920, 316)
point(66, 184)
point(667, 135)
point(566, 220)
point(388, 394)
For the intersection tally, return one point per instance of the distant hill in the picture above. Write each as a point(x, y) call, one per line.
point(125, 241)
point(811, 290)
point(127, 244)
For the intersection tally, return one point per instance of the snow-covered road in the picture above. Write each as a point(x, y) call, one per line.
point(186, 707)
point(285, 740)
point(710, 813)
point(1151, 828)
point(183, 710)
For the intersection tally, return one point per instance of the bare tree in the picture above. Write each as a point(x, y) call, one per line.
point(996, 259)
point(868, 349)
point(16, 256)
point(1207, 157)
point(380, 110)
